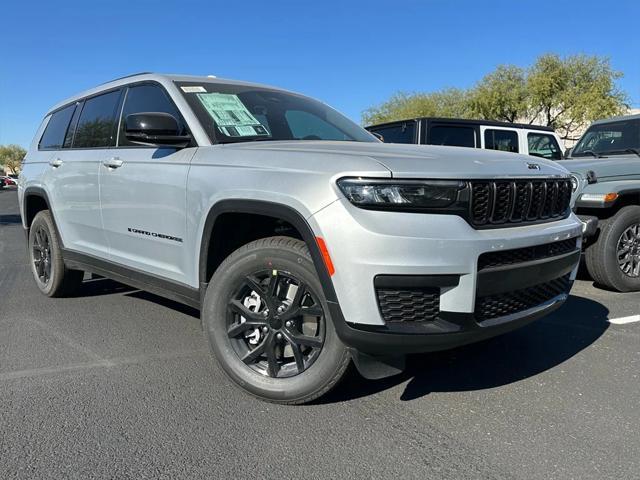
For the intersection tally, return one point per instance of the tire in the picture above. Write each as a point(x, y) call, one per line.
point(283, 370)
point(602, 256)
point(45, 256)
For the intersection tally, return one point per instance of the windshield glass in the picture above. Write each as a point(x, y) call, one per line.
point(240, 113)
point(609, 138)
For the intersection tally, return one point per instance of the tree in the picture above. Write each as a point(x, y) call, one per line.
point(11, 157)
point(501, 95)
point(447, 103)
point(564, 93)
point(569, 93)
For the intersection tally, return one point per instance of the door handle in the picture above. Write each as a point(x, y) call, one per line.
point(113, 162)
point(56, 162)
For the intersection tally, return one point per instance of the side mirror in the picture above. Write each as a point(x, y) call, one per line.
point(378, 136)
point(155, 129)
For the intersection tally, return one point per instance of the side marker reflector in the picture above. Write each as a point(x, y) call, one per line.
point(325, 255)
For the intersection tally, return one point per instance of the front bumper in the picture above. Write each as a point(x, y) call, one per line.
point(442, 250)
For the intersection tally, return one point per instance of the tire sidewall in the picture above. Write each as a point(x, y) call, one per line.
point(43, 221)
point(214, 317)
point(618, 224)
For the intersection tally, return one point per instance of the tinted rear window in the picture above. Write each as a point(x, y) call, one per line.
point(97, 121)
point(452, 135)
point(399, 133)
point(503, 140)
point(53, 136)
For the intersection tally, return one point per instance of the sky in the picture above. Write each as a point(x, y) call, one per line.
point(349, 54)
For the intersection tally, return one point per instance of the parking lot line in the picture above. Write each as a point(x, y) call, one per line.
point(625, 320)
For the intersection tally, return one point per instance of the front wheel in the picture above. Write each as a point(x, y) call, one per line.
point(268, 324)
point(614, 259)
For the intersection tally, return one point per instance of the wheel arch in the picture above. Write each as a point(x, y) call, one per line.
point(34, 200)
point(263, 208)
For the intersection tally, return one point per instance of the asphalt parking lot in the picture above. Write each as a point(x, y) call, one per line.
point(118, 383)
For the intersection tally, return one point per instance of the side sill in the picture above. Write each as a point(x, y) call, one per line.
point(135, 278)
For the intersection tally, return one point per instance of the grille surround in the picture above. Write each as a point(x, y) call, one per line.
point(408, 305)
point(504, 203)
point(516, 301)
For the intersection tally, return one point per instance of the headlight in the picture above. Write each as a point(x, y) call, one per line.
point(401, 194)
point(575, 182)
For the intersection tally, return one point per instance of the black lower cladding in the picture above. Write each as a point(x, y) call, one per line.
point(508, 303)
point(410, 305)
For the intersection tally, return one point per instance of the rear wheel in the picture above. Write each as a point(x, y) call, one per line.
point(267, 323)
point(614, 260)
point(45, 255)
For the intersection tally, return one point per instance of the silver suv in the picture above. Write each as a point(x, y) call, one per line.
point(304, 241)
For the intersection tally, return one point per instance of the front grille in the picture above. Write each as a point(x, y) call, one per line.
point(527, 254)
point(501, 304)
point(514, 202)
point(409, 305)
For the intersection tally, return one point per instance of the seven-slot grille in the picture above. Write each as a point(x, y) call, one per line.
point(500, 202)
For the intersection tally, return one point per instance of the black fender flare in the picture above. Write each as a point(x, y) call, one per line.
point(270, 209)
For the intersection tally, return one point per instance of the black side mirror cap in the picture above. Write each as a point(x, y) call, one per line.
point(155, 129)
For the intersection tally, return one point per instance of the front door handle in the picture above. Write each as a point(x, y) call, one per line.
point(113, 162)
point(56, 162)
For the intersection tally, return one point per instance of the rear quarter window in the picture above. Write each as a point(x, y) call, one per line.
point(457, 136)
point(56, 129)
point(399, 133)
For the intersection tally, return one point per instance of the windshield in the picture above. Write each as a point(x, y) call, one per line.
point(609, 139)
point(240, 113)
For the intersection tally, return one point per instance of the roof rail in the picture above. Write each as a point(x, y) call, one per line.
point(126, 76)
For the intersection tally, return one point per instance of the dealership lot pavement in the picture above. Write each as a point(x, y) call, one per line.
point(118, 383)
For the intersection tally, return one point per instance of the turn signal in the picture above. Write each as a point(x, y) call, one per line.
point(325, 256)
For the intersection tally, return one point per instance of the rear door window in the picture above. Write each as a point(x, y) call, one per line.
point(96, 126)
point(54, 133)
point(503, 140)
point(146, 98)
point(404, 132)
point(457, 136)
point(544, 145)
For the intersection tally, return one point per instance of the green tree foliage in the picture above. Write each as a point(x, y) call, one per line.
point(501, 95)
point(11, 157)
point(564, 93)
point(447, 103)
point(567, 94)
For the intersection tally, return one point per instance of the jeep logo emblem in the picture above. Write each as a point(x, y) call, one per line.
point(533, 166)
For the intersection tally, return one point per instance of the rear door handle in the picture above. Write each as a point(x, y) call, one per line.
point(56, 162)
point(113, 162)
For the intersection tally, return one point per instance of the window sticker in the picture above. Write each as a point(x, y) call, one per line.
point(193, 89)
point(231, 115)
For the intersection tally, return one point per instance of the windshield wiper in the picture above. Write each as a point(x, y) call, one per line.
point(622, 150)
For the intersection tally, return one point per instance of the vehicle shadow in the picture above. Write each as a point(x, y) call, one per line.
point(499, 361)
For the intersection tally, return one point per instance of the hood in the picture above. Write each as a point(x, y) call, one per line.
point(618, 166)
point(417, 161)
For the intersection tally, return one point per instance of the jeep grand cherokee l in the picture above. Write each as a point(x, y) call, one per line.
point(304, 241)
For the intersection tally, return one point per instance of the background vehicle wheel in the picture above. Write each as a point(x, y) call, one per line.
point(51, 275)
point(268, 324)
point(614, 259)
